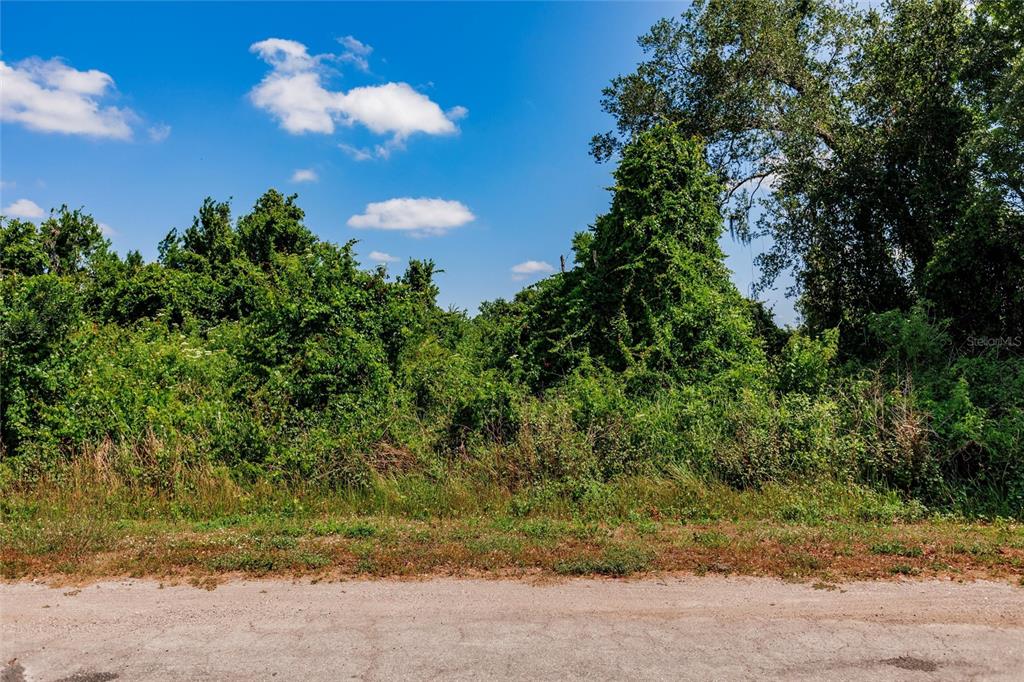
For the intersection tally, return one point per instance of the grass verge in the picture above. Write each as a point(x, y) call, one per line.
point(410, 526)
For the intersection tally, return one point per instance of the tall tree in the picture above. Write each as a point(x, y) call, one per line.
point(872, 135)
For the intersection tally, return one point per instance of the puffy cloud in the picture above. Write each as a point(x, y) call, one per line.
point(381, 257)
point(294, 93)
point(305, 175)
point(24, 208)
point(418, 216)
point(531, 267)
point(394, 108)
point(51, 97)
point(297, 101)
point(286, 56)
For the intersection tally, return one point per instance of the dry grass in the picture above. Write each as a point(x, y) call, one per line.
point(94, 523)
point(387, 546)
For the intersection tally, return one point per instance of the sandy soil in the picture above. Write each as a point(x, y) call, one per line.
point(678, 628)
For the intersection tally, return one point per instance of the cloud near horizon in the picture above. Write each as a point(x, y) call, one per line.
point(24, 208)
point(419, 217)
point(531, 267)
point(382, 257)
point(48, 96)
point(293, 92)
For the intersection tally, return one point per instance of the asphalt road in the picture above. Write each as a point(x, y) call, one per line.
point(687, 628)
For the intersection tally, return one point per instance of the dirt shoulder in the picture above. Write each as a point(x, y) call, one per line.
point(79, 551)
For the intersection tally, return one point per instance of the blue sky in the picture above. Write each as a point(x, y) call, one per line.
point(457, 132)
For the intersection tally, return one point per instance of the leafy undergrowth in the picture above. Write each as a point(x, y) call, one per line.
point(408, 527)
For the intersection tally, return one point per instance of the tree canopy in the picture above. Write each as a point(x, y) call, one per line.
point(869, 142)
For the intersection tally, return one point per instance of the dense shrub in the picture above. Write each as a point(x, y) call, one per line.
point(254, 348)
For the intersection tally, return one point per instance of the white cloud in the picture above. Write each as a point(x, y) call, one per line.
point(361, 63)
point(457, 113)
point(305, 175)
point(394, 108)
point(418, 216)
point(531, 267)
point(356, 46)
point(286, 56)
point(356, 153)
point(297, 101)
point(107, 230)
point(294, 93)
point(24, 208)
point(159, 132)
point(51, 97)
point(356, 52)
point(379, 151)
point(381, 257)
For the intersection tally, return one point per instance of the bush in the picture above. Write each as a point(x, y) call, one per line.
point(258, 351)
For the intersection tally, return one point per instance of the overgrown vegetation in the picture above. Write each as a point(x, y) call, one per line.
point(252, 355)
point(96, 525)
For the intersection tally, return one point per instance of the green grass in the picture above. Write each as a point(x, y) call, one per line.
point(345, 529)
point(896, 548)
point(614, 561)
point(712, 539)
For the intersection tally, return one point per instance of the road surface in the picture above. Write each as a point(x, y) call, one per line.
point(677, 628)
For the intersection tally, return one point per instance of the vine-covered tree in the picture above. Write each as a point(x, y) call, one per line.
point(656, 284)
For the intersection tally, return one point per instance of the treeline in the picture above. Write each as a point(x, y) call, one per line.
point(890, 167)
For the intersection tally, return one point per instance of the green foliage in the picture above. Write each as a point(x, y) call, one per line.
point(252, 356)
point(331, 374)
point(977, 272)
point(274, 227)
point(21, 248)
point(38, 361)
point(649, 295)
point(655, 284)
point(883, 148)
point(63, 244)
point(803, 364)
